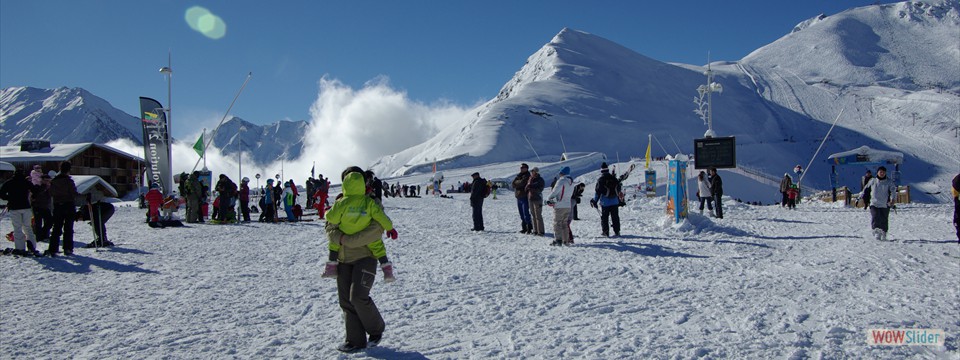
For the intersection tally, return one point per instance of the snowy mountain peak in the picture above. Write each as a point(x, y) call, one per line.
point(62, 115)
point(808, 23)
point(890, 69)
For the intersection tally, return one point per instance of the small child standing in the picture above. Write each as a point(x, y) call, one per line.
point(792, 193)
point(353, 213)
point(36, 175)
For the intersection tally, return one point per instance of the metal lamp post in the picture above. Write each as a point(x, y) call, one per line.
point(709, 88)
point(168, 71)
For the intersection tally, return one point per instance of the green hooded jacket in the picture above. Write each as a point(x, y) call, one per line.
point(349, 227)
point(355, 210)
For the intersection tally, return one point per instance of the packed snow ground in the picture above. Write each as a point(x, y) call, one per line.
point(764, 282)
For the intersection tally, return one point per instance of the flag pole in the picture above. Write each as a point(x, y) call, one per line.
point(207, 143)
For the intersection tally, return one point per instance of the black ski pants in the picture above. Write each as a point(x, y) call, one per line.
point(879, 218)
point(608, 213)
point(245, 210)
point(63, 215)
point(42, 223)
point(360, 314)
point(718, 204)
point(477, 206)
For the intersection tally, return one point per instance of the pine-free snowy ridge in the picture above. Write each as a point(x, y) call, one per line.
point(763, 282)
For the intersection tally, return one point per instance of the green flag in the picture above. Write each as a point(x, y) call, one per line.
point(198, 147)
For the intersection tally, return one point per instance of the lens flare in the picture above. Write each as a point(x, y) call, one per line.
point(205, 22)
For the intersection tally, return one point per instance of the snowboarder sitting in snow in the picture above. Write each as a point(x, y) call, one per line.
point(353, 213)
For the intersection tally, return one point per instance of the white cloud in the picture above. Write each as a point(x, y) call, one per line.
point(357, 126)
point(347, 127)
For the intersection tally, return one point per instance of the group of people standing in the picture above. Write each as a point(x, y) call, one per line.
point(710, 191)
point(51, 203)
point(528, 188)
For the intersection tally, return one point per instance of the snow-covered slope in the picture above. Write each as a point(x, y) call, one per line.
point(894, 70)
point(761, 283)
point(63, 115)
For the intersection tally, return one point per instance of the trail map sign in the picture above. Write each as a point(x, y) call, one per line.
point(720, 153)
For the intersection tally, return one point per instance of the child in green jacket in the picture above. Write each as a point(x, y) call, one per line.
point(352, 214)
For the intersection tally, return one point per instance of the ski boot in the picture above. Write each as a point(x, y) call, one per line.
point(388, 273)
point(330, 270)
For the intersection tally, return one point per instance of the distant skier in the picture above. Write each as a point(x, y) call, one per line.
point(882, 190)
point(863, 189)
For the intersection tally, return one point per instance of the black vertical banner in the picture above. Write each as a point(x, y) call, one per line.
point(156, 143)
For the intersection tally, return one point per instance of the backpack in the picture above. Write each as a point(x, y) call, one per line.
point(609, 187)
point(486, 190)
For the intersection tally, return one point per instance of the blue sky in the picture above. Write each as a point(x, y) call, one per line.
point(434, 52)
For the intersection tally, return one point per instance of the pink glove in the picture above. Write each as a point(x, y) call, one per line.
point(392, 234)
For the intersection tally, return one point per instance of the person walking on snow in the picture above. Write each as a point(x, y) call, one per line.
point(535, 187)
point(882, 192)
point(561, 198)
point(354, 226)
point(523, 201)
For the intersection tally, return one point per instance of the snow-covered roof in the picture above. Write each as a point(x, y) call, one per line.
point(865, 154)
point(56, 152)
point(87, 183)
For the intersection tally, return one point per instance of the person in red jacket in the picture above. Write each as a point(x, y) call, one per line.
point(320, 202)
point(154, 200)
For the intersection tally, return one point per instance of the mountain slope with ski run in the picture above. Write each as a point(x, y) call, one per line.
point(764, 282)
point(893, 70)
